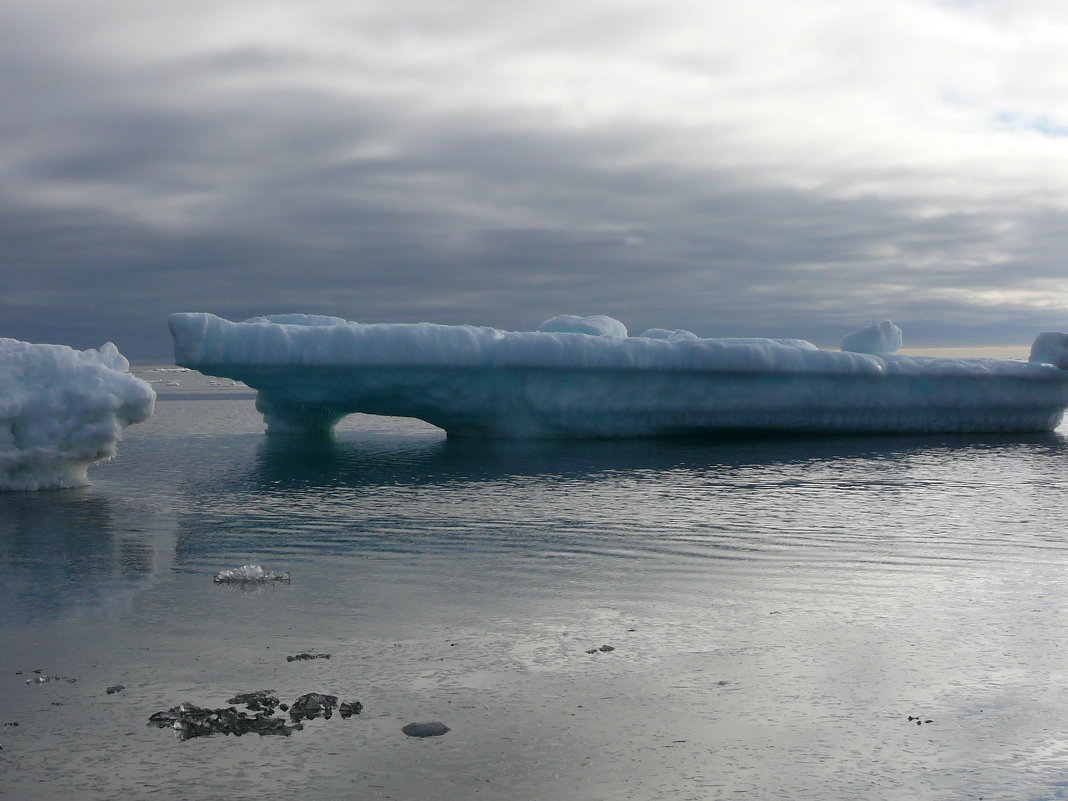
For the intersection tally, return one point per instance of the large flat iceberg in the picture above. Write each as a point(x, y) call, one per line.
point(61, 410)
point(585, 377)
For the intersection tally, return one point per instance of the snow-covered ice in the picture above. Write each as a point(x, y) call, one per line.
point(1050, 347)
point(884, 337)
point(63, 409)
point(585, 377)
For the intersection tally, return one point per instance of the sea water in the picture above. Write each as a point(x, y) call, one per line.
point(777, 610)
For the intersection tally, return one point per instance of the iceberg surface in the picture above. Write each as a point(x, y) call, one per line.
point(61, 410)
point(884, 337)
point(585, 377)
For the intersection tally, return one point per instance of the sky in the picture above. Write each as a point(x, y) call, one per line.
point(767, 168)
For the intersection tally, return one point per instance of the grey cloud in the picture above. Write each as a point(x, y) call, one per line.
point(228, 180)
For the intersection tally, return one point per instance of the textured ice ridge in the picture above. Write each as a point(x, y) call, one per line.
point(63, 409)
point(585, 377)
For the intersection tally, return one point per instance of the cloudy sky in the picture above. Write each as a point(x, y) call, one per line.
point(761, 168)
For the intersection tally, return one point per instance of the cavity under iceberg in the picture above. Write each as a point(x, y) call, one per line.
point(63, 409)
point(585, 377)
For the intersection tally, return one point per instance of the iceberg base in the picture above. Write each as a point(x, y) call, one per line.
point(544, 404)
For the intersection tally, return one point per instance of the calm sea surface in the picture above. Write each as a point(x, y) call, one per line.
point(777, 608)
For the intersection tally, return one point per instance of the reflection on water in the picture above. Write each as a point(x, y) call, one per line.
point(777, 610)
point(922, 499)
point(295, 462)
point(71, 551)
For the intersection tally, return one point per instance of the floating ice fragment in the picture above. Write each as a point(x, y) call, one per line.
point(249, 574)
point(63, 409)
point(597, 325)
point(884, 337)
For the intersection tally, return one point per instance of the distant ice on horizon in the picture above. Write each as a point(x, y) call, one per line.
point(63, 409)
point(884, 337)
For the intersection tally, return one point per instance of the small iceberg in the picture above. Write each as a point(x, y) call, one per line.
point(61, 410)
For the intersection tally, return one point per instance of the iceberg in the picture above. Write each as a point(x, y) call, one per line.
point(585, 377)
point(63, 409)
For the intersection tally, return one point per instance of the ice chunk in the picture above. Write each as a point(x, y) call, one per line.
point(249, 574)
point(298, 319)
point(673, 336)
point(61, 410)
point(477, 381)
point(1050, 347)
point(597, 325)
point(884, 337)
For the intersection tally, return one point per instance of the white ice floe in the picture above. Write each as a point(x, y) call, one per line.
point(249, 574)
point(61, 410)
point(584, 377)
point(884, 337)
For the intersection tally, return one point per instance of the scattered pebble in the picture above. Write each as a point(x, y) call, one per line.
point(432, 729)
point(311, 705)
point(115, 688)
point(190, 720)
point(350, 708)
point(302, 657)
point(256, 701)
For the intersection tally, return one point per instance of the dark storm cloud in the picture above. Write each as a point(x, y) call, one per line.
point(390, 164)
